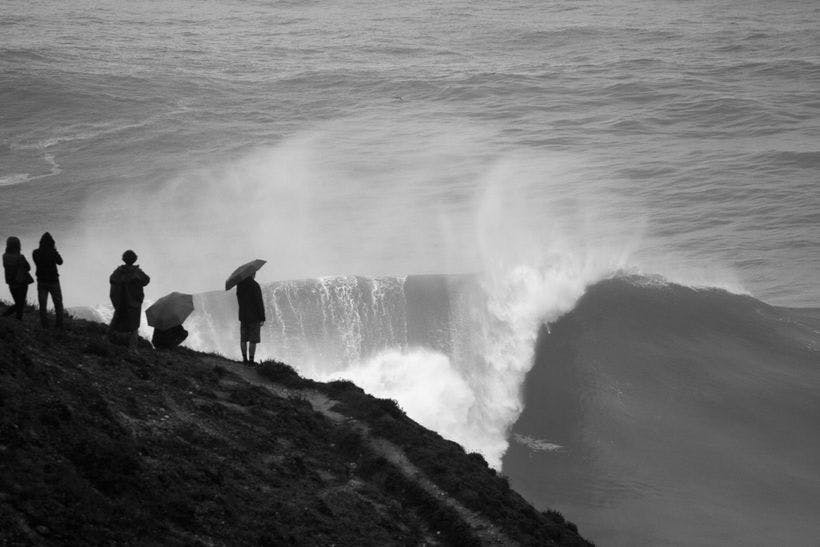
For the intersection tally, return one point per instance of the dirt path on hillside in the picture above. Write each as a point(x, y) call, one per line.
point(484, 529)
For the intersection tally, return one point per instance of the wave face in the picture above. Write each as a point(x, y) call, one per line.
point(657, 414)
point(429, 341)
point(329, 323)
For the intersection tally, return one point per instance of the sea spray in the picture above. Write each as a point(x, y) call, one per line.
point(312, 204)
point(533, 273)
point(517, 303)
point(536, 251)
point(472, 396)
point(427, 387)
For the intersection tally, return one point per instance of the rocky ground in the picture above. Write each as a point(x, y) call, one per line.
point(105, 444)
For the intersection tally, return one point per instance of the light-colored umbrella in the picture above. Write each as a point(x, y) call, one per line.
point(242, 272)
point(170, 310)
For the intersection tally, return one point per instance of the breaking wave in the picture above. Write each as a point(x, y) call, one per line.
point(452, 350)
point(683, 415)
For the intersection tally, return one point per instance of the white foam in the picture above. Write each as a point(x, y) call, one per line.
point(533, 274)
point(537, 445)
point(19, 178)
point(430, 390)
point(86, 131)
point(15, 178)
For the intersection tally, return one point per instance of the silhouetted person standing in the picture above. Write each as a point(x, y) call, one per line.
point(46, 258)
point(127, 294)
point(251, 316)
point(18, 278)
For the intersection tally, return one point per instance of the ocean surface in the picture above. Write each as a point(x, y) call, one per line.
point(579, 237)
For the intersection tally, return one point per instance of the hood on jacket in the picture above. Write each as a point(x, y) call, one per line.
point(46, 241)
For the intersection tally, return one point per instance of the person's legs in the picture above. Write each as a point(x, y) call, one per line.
point(57, 299)
point(246, 337)
point(42, 299)
point(19, 295)
point(243, 336)
point(254, 339)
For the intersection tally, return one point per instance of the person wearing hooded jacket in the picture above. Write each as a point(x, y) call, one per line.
point(127, 295)
point(16, 269)
point(46, 258)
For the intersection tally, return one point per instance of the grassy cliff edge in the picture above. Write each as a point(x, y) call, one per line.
point(105, 444)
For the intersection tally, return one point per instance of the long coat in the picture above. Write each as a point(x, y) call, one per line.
point(127, 295)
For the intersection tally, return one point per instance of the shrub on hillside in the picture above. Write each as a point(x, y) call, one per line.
point(280, 373)
point(337, 388)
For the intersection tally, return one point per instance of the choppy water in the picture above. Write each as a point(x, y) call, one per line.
point(544, 146)
point(364, 138)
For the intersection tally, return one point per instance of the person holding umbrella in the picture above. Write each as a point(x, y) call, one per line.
point(251, 307)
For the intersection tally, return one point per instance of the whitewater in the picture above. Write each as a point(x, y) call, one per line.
point(478, 210)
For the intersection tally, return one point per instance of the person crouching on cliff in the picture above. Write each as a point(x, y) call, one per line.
point(251, 316)
point(46, 258)
point(16, 269)
point(127, 295)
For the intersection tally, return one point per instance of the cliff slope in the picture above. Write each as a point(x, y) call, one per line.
point(103, 444)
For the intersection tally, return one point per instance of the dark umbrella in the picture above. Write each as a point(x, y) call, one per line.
point(170, 310)
point(242, 272)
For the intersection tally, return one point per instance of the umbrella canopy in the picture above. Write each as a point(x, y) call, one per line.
point(170, 310)
point(242, 272)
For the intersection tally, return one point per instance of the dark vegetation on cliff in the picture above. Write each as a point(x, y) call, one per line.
point(105, 444)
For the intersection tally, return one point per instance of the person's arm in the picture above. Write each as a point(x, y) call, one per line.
point(26, 265)
point(57, 258)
